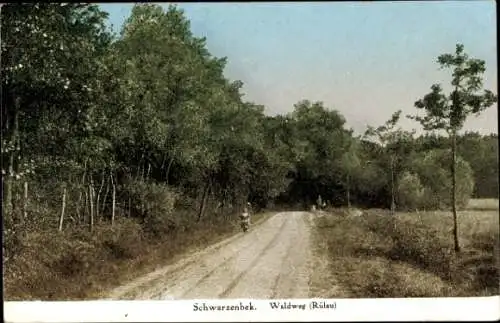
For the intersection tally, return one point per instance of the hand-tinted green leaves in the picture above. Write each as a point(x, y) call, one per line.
point(450, 112)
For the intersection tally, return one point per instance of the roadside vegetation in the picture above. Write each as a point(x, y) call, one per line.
point(122, 152)
point(409, 254)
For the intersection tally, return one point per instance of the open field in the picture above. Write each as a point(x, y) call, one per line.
point(409, 255)
point(483, 204)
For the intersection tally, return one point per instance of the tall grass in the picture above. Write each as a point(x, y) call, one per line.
point(76, 264)
point(411, 254)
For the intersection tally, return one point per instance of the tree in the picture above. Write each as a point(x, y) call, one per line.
point(350, 164)
point(321, 142)
point(432, 168)
point(372, 176)
point(481, 152)
point(449, 112)
point(386, 134)
point(50, 56)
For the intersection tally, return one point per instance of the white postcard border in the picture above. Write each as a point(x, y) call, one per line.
point(252, 310)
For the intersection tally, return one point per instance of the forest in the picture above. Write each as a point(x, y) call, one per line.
point(134, 146)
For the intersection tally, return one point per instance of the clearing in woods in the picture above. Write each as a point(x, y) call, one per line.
point(409, 255)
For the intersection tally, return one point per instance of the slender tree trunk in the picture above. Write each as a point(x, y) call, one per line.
point(113, 200)
point(105, 196)
point(99, 195)
point(348, 191)
point(63, 208)
point(393, 193)
point(85, 206)
point(78, 206)
point(9, 197)
point(454, 189)
point(143, 165)
point(143, 195)
point(167, 173)
point(203, 200)
point(91, 200)
point(149, 170)
point(139, 168)
point(162, 167)
point(78, 210)
point(25, 205)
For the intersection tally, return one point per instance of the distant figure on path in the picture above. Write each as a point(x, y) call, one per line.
point(319, 202)
point(245, 218)
point(249, 210)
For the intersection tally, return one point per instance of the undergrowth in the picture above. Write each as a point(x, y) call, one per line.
point(411, 254)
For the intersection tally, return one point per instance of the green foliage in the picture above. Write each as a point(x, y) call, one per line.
point(153, 104)
point(350, 160)
point(432, 168)
point(154, 203)
point(395, 145)
point(410, 191)
point(449, 112)
point(481, 152)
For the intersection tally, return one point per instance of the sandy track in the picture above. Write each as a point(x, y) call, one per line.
point(272, 260)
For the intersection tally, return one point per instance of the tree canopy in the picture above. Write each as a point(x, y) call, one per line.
point(83, 107)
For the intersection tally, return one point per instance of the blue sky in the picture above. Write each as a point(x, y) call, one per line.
point(364, 59)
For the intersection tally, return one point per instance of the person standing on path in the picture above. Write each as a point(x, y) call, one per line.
point(319, 202)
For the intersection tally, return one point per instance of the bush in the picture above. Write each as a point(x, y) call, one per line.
point(433, 170)
point(378, 255)
point(124, 240)
point(11, 240)
point(154, 203)
point(410, 191)
point(381, 278)
point(415, 242)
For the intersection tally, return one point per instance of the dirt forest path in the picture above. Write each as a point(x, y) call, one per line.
point(272, 260)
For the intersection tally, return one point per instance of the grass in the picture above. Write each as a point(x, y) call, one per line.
point(410, 254)
point(77, 265)
point(483, 204)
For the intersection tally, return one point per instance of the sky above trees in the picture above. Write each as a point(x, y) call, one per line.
point(364, 59)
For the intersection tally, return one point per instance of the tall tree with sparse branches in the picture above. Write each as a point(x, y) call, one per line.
point(449, 112)
point(385, 135)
